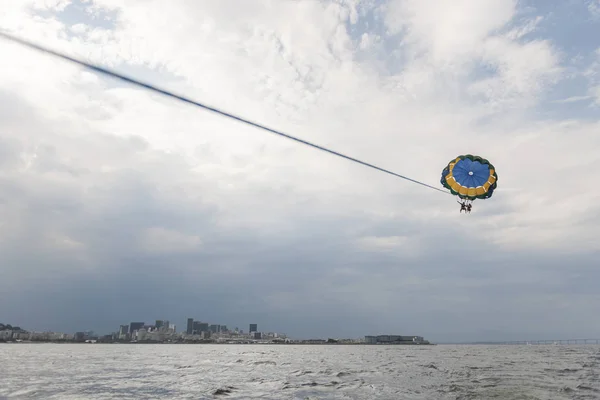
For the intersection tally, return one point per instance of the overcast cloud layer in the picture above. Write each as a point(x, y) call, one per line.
point(118, 205)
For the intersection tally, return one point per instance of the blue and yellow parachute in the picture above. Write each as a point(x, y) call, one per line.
point(470, 177)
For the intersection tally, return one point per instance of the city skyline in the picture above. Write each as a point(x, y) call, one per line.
point(118, 205)
point(197, 325)
point(543, 338)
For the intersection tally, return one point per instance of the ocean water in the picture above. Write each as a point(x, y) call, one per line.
point(122, 371)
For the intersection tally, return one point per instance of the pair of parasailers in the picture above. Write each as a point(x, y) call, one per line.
point(465, 206)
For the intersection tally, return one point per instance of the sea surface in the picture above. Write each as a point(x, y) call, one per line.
point(124, 371)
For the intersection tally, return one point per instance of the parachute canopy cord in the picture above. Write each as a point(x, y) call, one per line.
point(198, 104)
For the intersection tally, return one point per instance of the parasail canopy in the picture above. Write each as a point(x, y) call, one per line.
point(470, 177)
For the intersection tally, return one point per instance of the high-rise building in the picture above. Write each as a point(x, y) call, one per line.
point(135, 326)
point(158, 324)
point(190, 326)
point(253, 328)
point(224, 328)
point(198, 327)
point(123, 330)
point(215, 328)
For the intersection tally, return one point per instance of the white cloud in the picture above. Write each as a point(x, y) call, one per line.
point(448, 30)
point(521, 31)
point(403, 245)
point(595, 92)
point(523, 70)
point(160, 240)
point(594, 7)
point(79, 28)
point(59, 241)
point(573, 99)
point(454, 43)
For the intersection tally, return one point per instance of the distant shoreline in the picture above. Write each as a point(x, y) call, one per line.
point(220, 344)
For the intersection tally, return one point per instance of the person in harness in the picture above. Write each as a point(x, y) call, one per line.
point(465, 206)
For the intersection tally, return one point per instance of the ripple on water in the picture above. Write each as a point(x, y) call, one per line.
point(46, 371)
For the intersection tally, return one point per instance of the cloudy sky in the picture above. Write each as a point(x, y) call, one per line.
point(118, 205)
